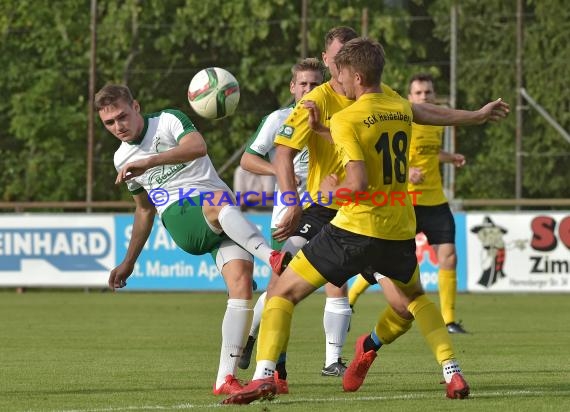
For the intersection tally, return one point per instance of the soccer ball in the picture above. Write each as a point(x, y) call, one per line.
point(213, 93)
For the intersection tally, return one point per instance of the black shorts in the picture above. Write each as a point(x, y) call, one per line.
point(338, 255)
point(314, 218)
point(436, 222)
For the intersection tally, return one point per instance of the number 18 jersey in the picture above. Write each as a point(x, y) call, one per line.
point(377, 129)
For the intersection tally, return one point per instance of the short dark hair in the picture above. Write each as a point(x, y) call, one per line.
point(112, 93)
point(310, 64)
point(364, 56)
point(420, 77)
point(340, 33)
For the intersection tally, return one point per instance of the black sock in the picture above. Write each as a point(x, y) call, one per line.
point(369, 344)
point(280, 369)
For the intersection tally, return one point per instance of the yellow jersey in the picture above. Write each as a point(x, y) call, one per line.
point(323, 158)
point(424, 154)
point(376, 129)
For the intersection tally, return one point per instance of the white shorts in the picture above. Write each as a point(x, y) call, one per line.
point(228, 251)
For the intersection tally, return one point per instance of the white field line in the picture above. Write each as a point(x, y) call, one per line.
point(292, 400)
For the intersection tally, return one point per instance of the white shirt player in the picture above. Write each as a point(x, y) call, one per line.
point(262, 144)
point(168, 183)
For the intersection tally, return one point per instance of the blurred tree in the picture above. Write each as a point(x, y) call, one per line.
point(486, 70)
point(43, 107)
point(156, 46)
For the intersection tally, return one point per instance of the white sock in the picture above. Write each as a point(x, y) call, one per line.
point(293, 244)
point(450, 367)
point(244, 233)
point(264, 369)
point(236, 323)
point(335, 320)
point(257, 312)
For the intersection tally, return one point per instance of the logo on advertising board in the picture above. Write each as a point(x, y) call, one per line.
point(52, 250)
point(494, 253)
point(519, 252)
point(67, 249)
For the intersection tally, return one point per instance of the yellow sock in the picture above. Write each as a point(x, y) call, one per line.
point(275, 328)
point(432, 328)
point(447, 281)
point(358, 288)
point(390, 326)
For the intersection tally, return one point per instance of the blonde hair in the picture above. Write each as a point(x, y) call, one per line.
point(310, 64)
point(365, 57)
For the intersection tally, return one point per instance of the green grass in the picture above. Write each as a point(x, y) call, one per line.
point(75, 351)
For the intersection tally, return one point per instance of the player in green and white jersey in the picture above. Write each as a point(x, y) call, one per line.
point(164, 162)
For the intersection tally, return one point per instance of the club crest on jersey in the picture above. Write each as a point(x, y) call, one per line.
point(159, 146)
point(286, 131)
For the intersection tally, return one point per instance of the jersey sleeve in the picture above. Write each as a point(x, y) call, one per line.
point(345, 138)
point(295, 131)
point(179, 124)
point(262, 140)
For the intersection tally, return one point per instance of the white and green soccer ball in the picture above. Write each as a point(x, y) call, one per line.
point(213, 93)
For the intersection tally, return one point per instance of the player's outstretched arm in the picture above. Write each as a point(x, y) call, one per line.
point(191, 146)
point(142, 226)
point(431, 114)
point(457, 159)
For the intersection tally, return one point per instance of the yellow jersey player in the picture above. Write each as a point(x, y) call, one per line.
point(363, 237)
point(309, 128)
point(433, 214)
point(312, 210)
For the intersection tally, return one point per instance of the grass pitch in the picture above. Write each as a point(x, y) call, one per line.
point(98, 352)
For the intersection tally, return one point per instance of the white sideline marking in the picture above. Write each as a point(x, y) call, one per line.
point(287, 399)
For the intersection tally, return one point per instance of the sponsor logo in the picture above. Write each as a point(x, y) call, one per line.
point(71, 249)
point(164, 174)
point(491, 238)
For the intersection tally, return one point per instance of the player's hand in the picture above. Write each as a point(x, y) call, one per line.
point(458, 160)
point(495, 110)
point(314, 115)
point(314, 120)
point(131, 170)
point(329, 184)
point(416, 175)
point(119, 275)
point(289, 223)
point(298, 180)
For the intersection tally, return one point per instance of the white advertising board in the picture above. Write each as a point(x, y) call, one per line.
point(518, 252)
